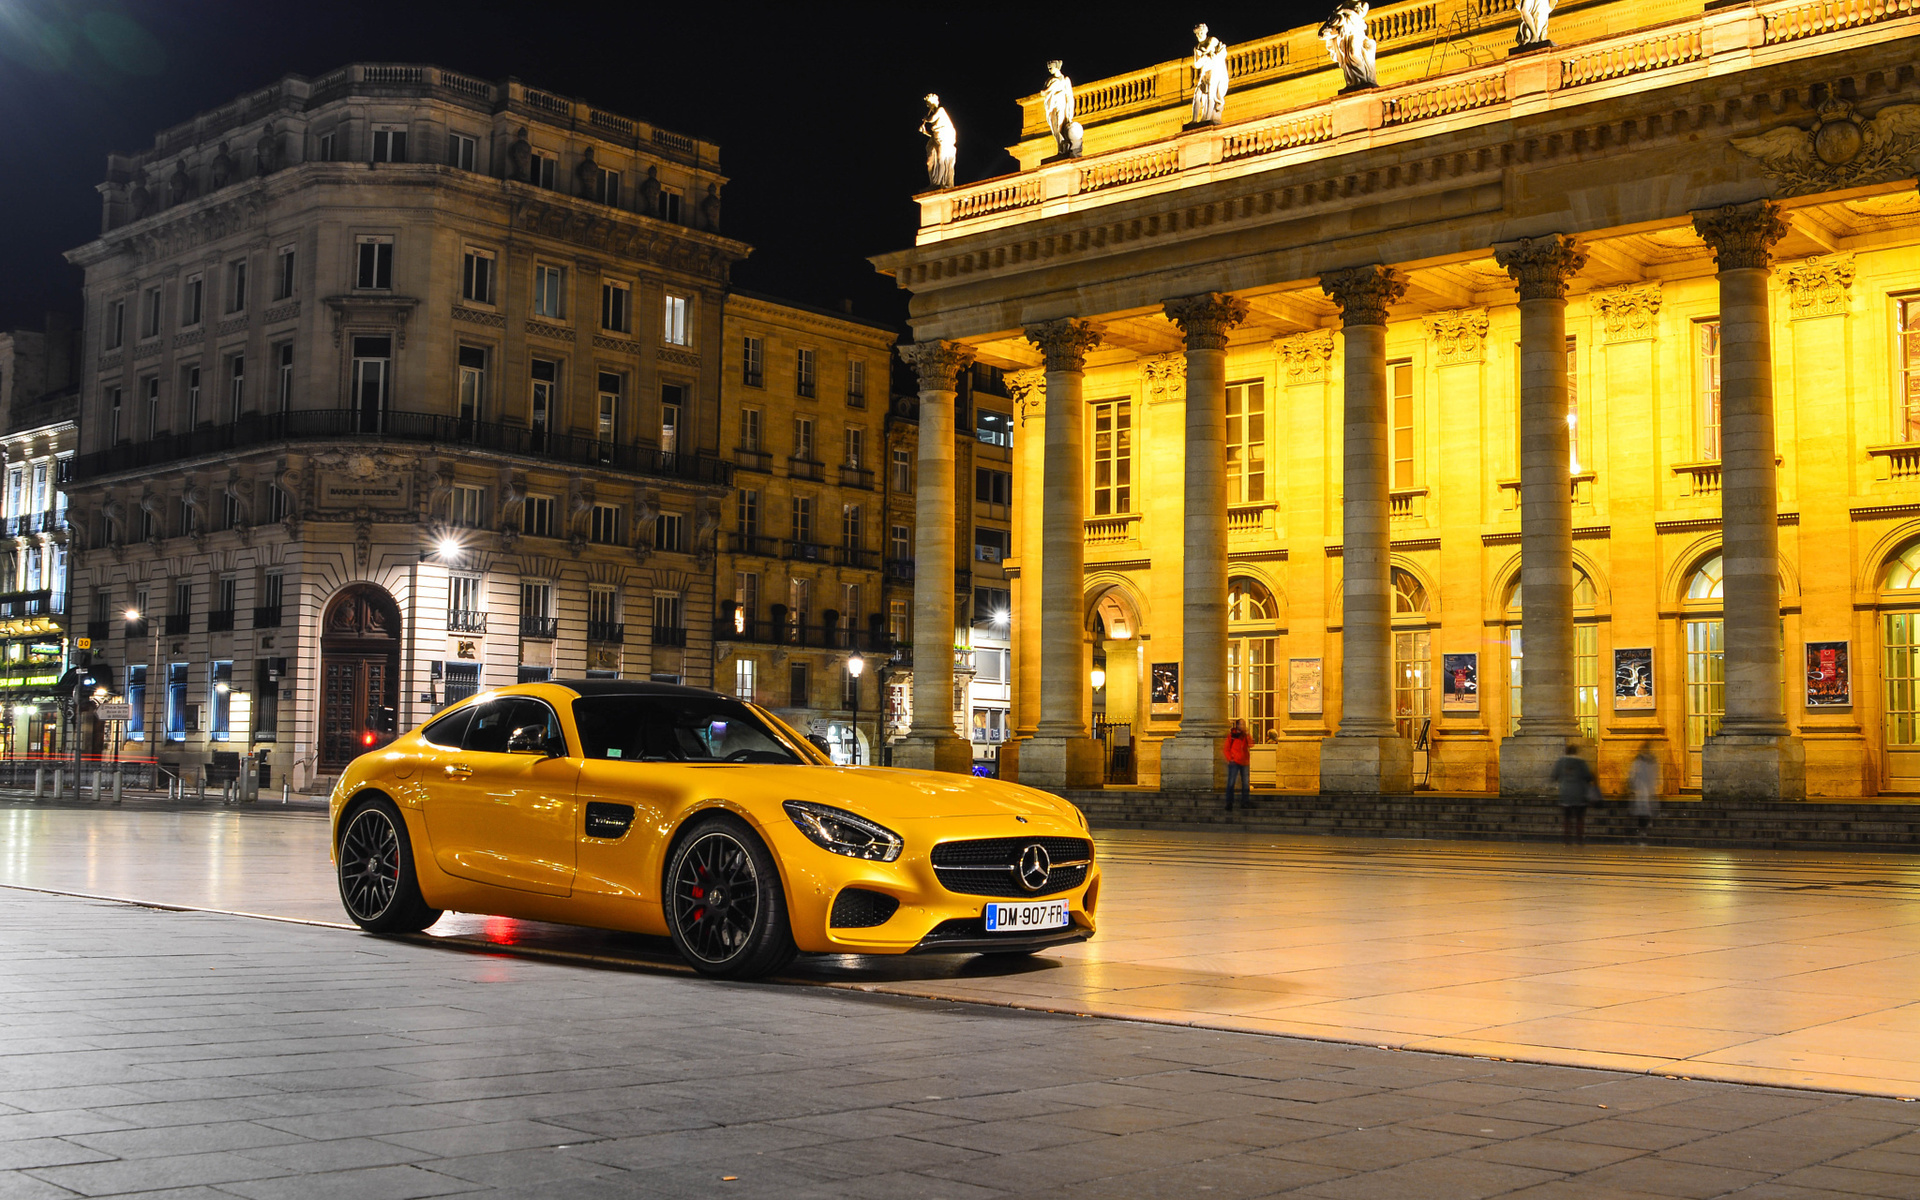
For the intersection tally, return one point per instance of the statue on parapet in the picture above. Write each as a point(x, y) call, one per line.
point(1345, 33)
point(1058, 100)
point(1533, 24)
point(942, 144)
point(1209, 77)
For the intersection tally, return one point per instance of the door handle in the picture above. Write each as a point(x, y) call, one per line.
point(458, 770)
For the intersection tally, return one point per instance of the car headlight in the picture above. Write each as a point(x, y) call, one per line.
point(843, 833)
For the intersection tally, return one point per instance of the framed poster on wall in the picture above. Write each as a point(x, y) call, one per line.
point(1166, 689)
point(1633, 678)
point(1303, 686)
point(1829, 675)
point(1459, 683)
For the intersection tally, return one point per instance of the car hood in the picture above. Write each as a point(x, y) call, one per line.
point(886, 794)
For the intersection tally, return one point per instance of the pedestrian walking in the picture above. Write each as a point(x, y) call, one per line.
point(1644, 777)
point(1237, 752)
point(1575, 778)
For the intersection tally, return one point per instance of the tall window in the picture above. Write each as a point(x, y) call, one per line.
point(902, 471)
point(672, 395)
point(536, 516)
point(1586, 657)
point(476, 276)
point(137, 702)
point(544, 168)
point(747, 511)
point(803, 381)
point(607, 413)
point(1400, 380)
point(993, 428)
point(463, 152)
point(389, 144)
point(237, 285)
point(750, 429)
point(803, 520)
point(1707, 351)
point(236, 386)
point(606, 186)
point(473, 384)
point(152, 384)
point(753, 361)
point(1113, 457)
point(797, 685)
point(616, 304)
point(1412, 659)
point(328, 145)
point(549, 291)
point(192, 300)
point(545, 376)
point(603, 612)
point(803, 438)
point(190, 384)
point(856, 446)
point(666, 611)
point(1576, 429)
point(746, 599)
point(468, 507)
point(799, 601)
point(850, 526)
point(116, 324)
point(1253, 616)
point(177, 702)
point(372, 372)
point(850, 608)
point(283, 376)
point(1906, 356)
point(220, 698)
point(373, 268)
point(678, 328)
point(1703, 637)
point(605, 528)
point(283, 273)
point(1247, 443)
point(465, 602)
point(899, 620)
point(856, 383)
point(744, 671)
point(900, 543)
point(536, 600)
point(150, 314)
point(670, 531)
point(992, 487)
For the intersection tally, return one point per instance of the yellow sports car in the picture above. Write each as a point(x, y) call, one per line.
point(673, 810)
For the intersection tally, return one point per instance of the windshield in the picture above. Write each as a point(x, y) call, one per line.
point(677, 729)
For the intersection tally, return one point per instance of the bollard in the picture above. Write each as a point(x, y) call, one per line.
point(39, 782)
point(96, 785)
point(283, 791)
point(116, 786)
point(199, 786)
point(59, 782)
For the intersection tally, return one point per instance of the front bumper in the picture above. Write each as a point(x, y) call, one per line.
point(968, 936)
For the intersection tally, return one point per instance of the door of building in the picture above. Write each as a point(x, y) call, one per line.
point(1900, 634)
point(1706, 688)
point(359, 674)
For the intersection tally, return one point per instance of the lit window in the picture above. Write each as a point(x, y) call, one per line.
point(1400, 378)
point(549, 291)
point(1707, 340)
point(1113, 458)
point(678, 329)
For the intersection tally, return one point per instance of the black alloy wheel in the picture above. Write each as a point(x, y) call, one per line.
point(726, 910)
point(378, 886)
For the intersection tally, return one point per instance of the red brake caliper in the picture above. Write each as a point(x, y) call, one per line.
point(699, 893)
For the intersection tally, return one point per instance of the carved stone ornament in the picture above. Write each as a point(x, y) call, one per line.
point(1818, 287)
point(1028, 391)
point(1304, 356)
point(1363, 293)
point(1350, 45)
point(1064, 343)
point(1207, 319)
point(1742, 235)
point(1459, 335)
point(937, 363)
point(1627, 314)
point(1842, 148)
point(1165, 378)
point(1541, 266)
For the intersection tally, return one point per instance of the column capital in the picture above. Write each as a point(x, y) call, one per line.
point(1028, 391)
point(1541, 266)
point(1742, 235)
point(1065, 342)
point(937, 363)
point(1363, 293)
point(1207, 319)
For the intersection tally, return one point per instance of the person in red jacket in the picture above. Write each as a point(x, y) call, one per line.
point(1236, 751)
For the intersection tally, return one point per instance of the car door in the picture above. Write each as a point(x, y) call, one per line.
point(506, 817)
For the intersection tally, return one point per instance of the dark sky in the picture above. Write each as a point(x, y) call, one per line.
point(815, 107)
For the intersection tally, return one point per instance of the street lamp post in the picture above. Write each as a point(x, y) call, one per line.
point(855, 666)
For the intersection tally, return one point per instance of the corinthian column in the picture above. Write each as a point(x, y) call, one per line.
point(1754, 756)
point(1548, 723)
point(1367, 756)
point(1192, 760)
point(931, 744)
point(1060, 754)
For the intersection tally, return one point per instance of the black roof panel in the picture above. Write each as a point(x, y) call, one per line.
point(634, 687)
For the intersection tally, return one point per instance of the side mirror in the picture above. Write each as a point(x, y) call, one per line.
point(529, 739)
point(819, 743)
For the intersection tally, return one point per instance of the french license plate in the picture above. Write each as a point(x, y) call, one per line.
point(1018, 918)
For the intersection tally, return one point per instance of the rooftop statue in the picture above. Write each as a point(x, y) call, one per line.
point(1058, 99)
point(1533, 23)
point(1209, 77)
point(1347, 40)
point(942, 143)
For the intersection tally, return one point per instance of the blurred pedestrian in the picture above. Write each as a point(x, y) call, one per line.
point(1644, 777)
point(1237, 752)
point(1575, 778)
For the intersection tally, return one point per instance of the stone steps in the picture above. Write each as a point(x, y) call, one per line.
point(1712, 823)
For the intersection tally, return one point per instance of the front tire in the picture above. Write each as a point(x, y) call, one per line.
point(378, 886)
point(725, 907)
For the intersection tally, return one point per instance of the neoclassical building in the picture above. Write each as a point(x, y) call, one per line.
point(1517, 396)
point(396, 384)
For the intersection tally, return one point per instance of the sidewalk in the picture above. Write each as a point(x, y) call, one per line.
point(158, 801)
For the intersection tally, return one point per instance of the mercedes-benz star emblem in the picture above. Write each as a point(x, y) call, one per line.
point(1034, 867)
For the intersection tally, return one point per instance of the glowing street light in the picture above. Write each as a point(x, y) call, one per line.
point(855, 666)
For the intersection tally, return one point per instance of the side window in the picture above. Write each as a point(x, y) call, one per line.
point(495, 721)
point(448, 731)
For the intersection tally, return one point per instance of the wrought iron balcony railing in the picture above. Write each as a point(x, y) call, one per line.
point(466, 620)
point(543, 629)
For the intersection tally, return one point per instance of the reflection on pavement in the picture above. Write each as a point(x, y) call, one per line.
point(1753, 966)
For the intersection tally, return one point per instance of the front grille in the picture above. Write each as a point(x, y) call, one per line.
point(858, 908)
point(956, 929)
point(986, 866)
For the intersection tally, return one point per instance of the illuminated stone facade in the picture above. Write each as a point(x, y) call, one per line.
point(1635, 316)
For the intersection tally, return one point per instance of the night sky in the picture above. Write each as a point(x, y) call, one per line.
point(815, 107)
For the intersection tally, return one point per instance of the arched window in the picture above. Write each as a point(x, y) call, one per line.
point(1703, 642)
point(1900, 669)
point(1705, 583)
point(1249, 600)
point(1412, 658)
point(1409, 594)
point(1586, 655)
point(1903, 573)
point(1253, 658)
